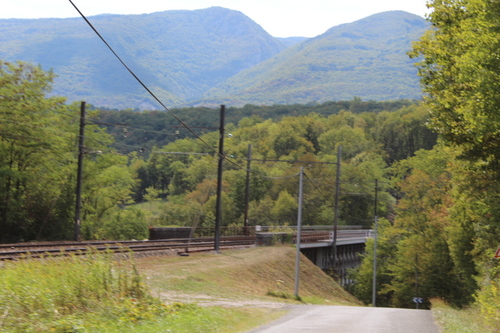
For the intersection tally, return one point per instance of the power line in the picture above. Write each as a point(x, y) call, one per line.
point(284, 177)
point(137, 78)
point(317, 188)
point(296, 161)
point(178, 153)
point(128, 127)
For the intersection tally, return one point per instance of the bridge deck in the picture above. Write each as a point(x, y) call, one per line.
point(344, 237)
point(340, 241)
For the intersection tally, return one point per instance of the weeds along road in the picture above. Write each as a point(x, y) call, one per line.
point(350, 319)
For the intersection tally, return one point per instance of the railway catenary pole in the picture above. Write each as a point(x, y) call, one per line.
point(374, 287)
point(81, 152)
point(218, 207)
point(336, 212)
point(247, 189)
point(299, 233)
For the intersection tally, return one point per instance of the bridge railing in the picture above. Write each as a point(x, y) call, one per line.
point(264, 228)
point(365, 233)
point(314, 234)
point(309, 234)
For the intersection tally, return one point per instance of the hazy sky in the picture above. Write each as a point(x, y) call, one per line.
point(280, 18)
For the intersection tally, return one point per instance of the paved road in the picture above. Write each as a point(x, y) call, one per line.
point(348, 319)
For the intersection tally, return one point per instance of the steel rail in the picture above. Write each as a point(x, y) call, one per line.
point(96, 243)
point(60, 249)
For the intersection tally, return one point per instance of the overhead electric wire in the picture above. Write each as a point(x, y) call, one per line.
point(178, 153)
point(128, 127)
point(260, 173)
point(284, 177)
point(18, 136)
point(26, 123)
point(154, 96)
point(317, 188)
point(137, 78)
point(364, 220)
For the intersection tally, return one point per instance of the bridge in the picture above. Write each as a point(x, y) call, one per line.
point(319, 245)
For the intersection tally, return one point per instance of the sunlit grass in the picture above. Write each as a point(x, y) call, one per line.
point(75, 294)
point(97, 293)
point(453, 320)
point(261, 273)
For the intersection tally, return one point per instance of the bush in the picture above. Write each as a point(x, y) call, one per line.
point(488, 299)
point(126, 224)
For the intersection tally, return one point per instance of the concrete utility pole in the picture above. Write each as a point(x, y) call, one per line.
point(218, 207)
point(374, 287)
point(336, 213)
point(247, 190)
point(299, 233)
point(81, 152)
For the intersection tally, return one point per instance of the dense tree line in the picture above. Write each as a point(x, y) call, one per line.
point(39, 151)
point(446, 230)
point(370, 141)
point(133, 129)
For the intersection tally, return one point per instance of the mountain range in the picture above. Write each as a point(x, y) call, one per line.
point(216, 56)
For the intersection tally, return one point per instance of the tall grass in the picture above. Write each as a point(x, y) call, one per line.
point(99, 294)
point(488, 299)
point(467, 320)
point(72, 294)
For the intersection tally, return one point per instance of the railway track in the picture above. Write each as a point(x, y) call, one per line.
point(180, 246)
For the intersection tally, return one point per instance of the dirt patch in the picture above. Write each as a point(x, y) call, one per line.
point(208, 300)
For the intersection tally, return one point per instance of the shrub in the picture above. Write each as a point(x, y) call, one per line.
point(488, 299)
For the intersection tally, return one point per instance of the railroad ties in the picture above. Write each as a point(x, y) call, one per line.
point(179, 246)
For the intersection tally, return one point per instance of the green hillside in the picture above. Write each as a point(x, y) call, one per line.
point(366, 58)
point(178, 54)
point(216, 56)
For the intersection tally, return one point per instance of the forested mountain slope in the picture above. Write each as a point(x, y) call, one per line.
point(216, 56)
point(365, 58)
point(178, 54)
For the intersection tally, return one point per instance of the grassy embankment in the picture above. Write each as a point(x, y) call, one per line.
point(264, 273)
point(100, 294)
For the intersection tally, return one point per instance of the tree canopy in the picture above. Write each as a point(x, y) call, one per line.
point(38, 149)
point(459, 68)
point(446, 226)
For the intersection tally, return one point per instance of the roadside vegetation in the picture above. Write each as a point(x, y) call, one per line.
point(445, 231)
point(465, 320)
point(76, 294)
point(103, 293)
